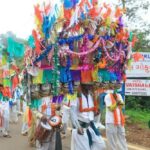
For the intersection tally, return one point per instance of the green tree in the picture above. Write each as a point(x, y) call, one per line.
point(136, 13)
point(143, 43)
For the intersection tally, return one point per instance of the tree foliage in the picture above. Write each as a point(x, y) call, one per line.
point(137, 14)
point(137, 10)
point(143, 43)
point(138, 102)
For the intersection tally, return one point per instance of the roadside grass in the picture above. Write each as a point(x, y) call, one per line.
point(138, 116)
point(142, 117)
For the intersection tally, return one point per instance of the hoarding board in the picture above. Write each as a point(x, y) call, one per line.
point(140, 68)
point(137, 87)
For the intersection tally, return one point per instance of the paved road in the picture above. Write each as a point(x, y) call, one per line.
point(19, 142)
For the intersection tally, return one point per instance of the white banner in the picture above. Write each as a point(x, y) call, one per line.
point(137, 87)
point(140, 68)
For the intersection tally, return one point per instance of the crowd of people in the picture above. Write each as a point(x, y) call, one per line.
point(74, 62)
point(47, 126)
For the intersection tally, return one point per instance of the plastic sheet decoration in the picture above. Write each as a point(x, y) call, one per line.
point(44, 54)
point(68, 4)
point(31, 42)
point(46, 27)
point(57, 99)
point(92, 38)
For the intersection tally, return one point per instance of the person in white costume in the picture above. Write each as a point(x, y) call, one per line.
point(115, 130)
point(52, 138)
point(86, 136)
point(68, 101)
point(4, 117)
point(24, 129)
point(97, 117)
point(17, 96)
point(13, 111)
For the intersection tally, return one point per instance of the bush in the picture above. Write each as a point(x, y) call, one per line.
point(138, 102)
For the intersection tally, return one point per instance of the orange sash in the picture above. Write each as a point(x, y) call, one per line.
point(81, 109)
point(53, 109)
point(115, 112)
point(44, 107)
point(29, 117)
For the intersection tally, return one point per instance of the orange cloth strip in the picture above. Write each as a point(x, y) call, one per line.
point(115, 112)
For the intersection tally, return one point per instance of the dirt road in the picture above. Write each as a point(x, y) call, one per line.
point(19, 142)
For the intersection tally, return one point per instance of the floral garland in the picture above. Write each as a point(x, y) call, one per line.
point(107, 54)
point(80, 54)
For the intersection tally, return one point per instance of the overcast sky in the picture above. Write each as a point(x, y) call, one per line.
point(18, 16)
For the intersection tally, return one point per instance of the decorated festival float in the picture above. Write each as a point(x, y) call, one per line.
point(75, 41)
point(11, 66)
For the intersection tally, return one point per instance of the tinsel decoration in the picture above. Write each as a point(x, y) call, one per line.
point(85, 36)
point(69, 77)
point(55, 80)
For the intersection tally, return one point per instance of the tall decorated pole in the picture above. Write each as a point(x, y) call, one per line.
point(55, 80)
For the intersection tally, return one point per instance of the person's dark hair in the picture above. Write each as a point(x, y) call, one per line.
point(85, 88)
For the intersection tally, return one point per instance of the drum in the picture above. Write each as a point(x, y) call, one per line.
point(46, 126)
point(43, 130)
point(55, 121)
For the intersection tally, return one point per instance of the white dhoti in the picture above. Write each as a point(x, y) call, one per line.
point(98, 123)
point(116, 137)
point(18, 106)
point(81, 142)
point(4, 121)
point(65, 118)
point(66, 114)
point(24, 128)
point(13, 114)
